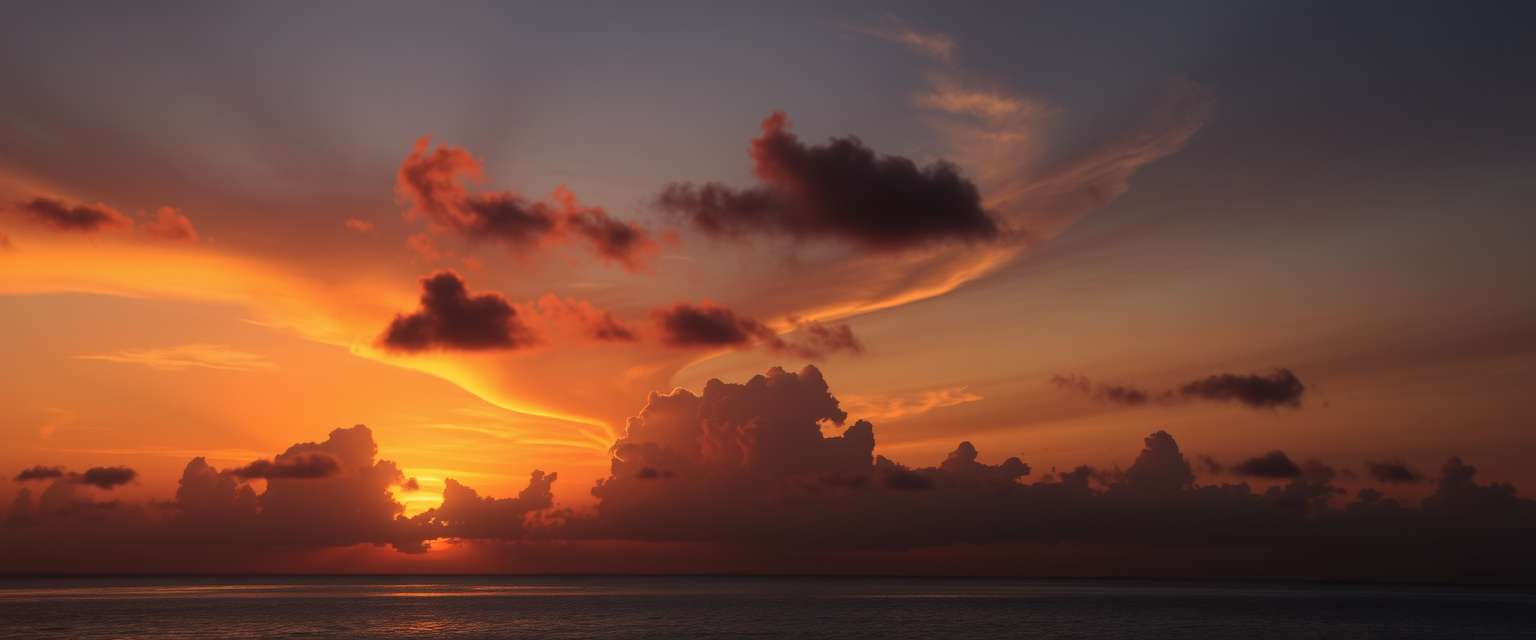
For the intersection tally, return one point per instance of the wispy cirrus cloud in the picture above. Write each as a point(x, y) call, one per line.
point(901, 405)
point(188, 356)
point(939, 46)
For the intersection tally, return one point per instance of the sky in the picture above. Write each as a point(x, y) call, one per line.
point(1212, 288)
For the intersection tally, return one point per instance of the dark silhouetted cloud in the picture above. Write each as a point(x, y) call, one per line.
point(83, 218)
point(1274, 464)
point(105, 477)
point(1393, 472)
point(707, 325)
point(842, 190)
point(1280, 388)
point(296, 467)
point(451, 318)
point(39, 472)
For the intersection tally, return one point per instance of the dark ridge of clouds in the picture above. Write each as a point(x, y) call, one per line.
point(309, 466)
point(1393, 472)
point(841, 190)
point(759, 468)
point(1274, 464)
point(80, 218)
point(706, 325)
point(451, 318)
point(431, 181)
point(105, 477)
point(39, 472)
point(1280, 388)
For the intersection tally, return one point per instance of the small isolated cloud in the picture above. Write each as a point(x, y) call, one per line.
point(5, 243)
point(938, 46)
point(1394, 472)
point(948, 96)
point(104, 477)
point(80, 218)
point(39, 472)
point(189, 356)
point(359, 225)
point(1274, 464)
point(451, 318)
point(296, 467)
point(1280, 388)
point(171, 225)
point(841, 190)
point(593, 323)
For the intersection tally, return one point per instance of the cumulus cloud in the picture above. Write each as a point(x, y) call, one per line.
point(773, 466)
point(80, 218)
point(842, 190)
point(300, 466)
point(1274, 464)
point(1393, 472)
point(171, 225)
point(432, 181)
point(706, 325)
point(1280, 388)
point(451, 318)
point(594, 323)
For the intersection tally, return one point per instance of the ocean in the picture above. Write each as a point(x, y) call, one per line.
point(740, 607)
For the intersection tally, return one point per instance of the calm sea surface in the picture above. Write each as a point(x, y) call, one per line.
point(590, 607)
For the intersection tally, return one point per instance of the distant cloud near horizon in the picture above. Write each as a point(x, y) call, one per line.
point(842, 190)
point(1280, 388)
point(81, 218)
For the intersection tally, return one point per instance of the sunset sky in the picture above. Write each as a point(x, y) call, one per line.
point(489, 232)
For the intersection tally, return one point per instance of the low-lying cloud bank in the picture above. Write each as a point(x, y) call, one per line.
point(750, 468)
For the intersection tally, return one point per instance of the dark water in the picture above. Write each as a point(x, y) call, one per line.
point(402, 607)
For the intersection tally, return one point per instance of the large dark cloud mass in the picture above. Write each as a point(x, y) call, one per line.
point(1280, 388)
point(842, 190)
point(451, 318)
point(83, 218)
point(775, 468)
point(432, 182)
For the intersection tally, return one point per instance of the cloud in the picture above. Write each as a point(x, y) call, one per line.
point(938, 46)
point(358, 225)
point(432, 182)
point(189, 356)
point(1280, 388)
point(451, 318)
point(594, 323)
point(1393, 472)
point(81, 218)
point(105, 477)
point(706, 325)
point(39, 472)
point(171, 225)
point(890, 407)
point(1274, 464)
point(842, 190)
point(5, 243)
point(303, 466)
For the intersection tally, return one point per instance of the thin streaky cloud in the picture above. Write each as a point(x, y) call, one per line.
point(188, 356)
point(938, 46)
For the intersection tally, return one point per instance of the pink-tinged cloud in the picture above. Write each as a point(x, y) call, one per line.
point(432, 182)
point(358, 225)
point(451, 317)
point(170, 225)
point(843, 191)
point(80, 218)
